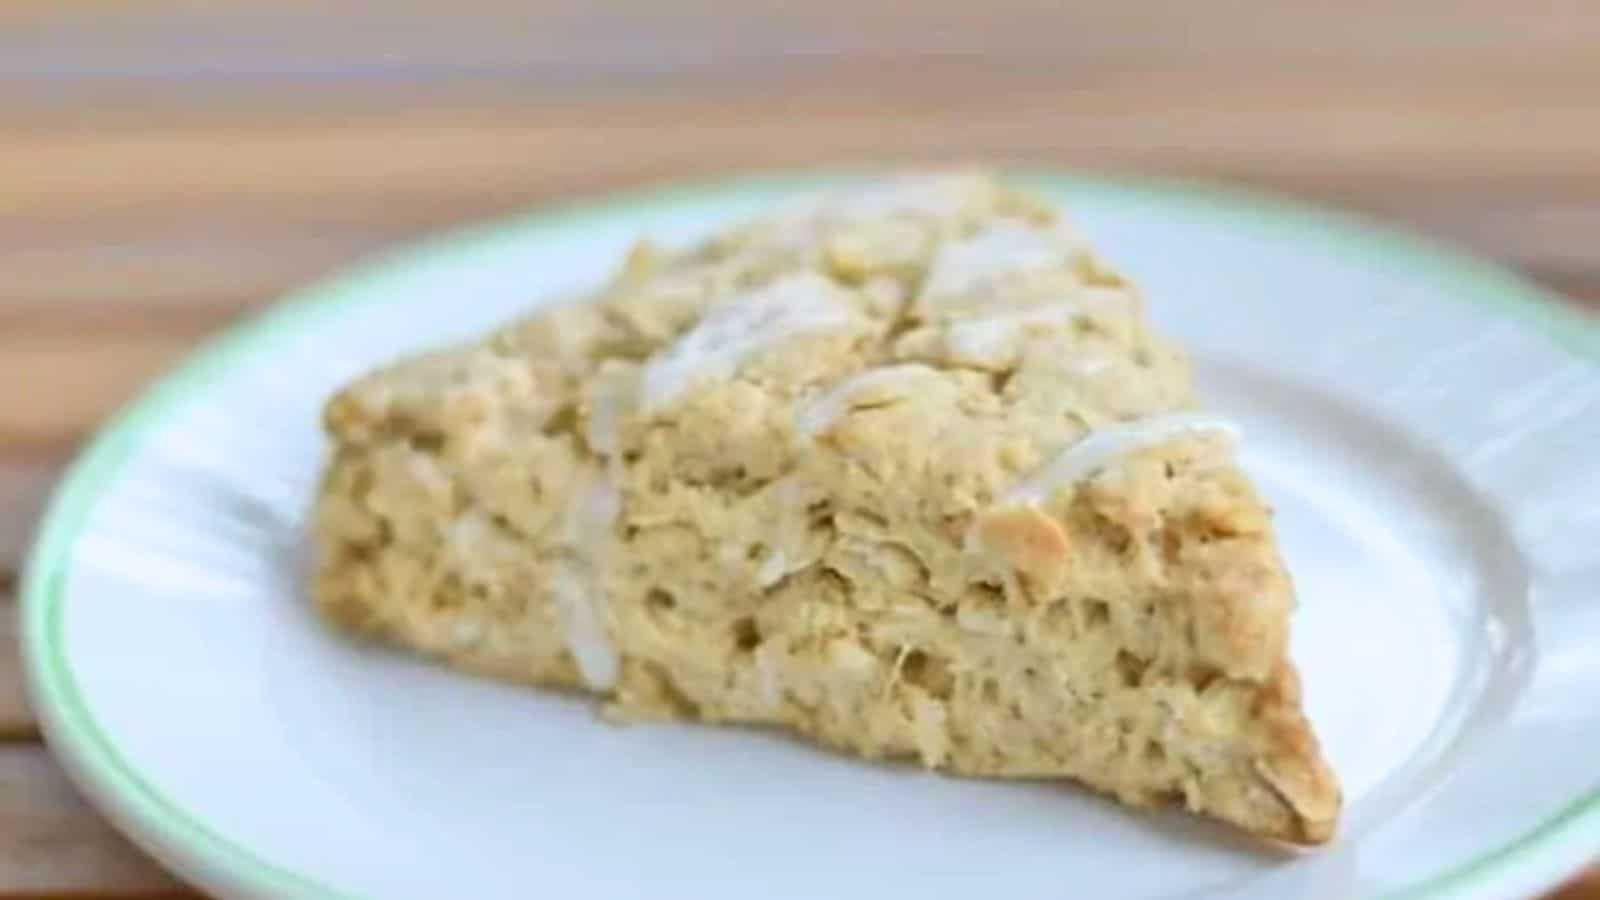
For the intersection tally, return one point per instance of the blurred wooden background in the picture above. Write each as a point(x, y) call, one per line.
point(166, 166)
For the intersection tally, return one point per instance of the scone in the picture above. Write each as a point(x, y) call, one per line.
point(903, 469)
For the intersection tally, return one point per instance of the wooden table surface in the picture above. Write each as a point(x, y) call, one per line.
point(166, 167)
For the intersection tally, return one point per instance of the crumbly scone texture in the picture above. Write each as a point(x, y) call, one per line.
point(903, 469)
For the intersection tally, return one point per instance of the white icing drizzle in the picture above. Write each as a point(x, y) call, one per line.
point(1100, 447)
point(1009, 248)
point(579, 612)
point(733, 332)
point(580, 600)
point(773, 568)
point(601, 429)
point(610, 402)
point(989, 336)
point(818, 415)
point(591, 515)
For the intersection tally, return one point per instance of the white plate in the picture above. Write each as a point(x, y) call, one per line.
point(1433, 452)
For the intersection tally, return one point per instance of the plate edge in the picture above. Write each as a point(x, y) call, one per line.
point(180, 839)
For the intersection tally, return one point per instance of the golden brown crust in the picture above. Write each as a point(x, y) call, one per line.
point(1026, 539)
point(1292, 761)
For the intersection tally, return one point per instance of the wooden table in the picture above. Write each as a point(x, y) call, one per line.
point(166, 167)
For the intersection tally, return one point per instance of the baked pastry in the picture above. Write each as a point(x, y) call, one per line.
point(902, 469)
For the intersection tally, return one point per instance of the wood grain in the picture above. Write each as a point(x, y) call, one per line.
point(1584, 887)
point(17, 724)
point(53, 844)
point(166, 167)
point(24, 485)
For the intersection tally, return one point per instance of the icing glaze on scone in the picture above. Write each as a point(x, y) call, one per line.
point(734, 331)
point(579, 609)
point(871, 386)
point(579, 583)
point(1003, 250)
point(1103, 446)
point(993, 337)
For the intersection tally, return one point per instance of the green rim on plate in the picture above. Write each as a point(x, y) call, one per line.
point(200, 851)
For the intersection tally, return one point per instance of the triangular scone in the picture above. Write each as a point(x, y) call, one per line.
point(903, 470)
